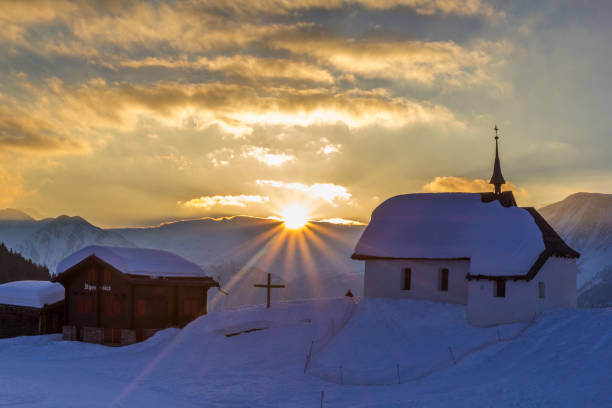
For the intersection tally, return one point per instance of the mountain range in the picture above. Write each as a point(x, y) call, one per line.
point(239, 251)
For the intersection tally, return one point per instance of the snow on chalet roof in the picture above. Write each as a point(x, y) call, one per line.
point(498, 240)
point(31, 293)
point(136, 261)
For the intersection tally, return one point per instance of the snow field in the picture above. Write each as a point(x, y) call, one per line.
point(563, 359)
point(406, 340)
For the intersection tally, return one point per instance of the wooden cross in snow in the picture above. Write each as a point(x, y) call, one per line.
point(269, 286)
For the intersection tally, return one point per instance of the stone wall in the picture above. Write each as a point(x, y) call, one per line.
point(69, 333)
point(18, 321)
point(93, 335)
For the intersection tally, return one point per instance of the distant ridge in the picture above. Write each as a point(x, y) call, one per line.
point(584, 220)
point(12, 214)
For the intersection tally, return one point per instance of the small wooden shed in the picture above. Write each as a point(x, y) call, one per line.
point(119, 296)
point(29, 308)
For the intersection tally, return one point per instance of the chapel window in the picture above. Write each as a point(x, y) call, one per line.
point(407, 278)
point(444, 280)
point(500, 288)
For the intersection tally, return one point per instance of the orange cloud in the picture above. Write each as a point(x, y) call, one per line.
point(208, 202)
point(420, 61)
point(450, 184)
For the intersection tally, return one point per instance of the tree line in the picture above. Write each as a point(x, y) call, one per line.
point(14, 267)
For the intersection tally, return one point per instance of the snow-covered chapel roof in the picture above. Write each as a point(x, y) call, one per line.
point(498, 240)
point(31, 293)
point(136, 261)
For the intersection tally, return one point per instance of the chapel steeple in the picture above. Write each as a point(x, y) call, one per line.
point(497, 179)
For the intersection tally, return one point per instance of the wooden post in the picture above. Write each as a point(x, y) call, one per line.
point(322, 395)
point(268, 286)
point(399, 381)
point(341, 376)
point(452, 355)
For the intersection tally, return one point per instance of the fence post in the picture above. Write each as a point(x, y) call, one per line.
point(498, 335)
point(341, 376)
point(333, 327)
point(322, 395)
point(399, 380)
point(452, 355)
point(308, 357)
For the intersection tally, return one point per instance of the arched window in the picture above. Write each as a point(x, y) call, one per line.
point(500, 288)
point(407, 278)
point(444, 280)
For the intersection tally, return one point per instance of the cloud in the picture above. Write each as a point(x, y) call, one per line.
point(331, 193)
point(449, 184)
point(329, 149)
point(24, 132)
point(263, 155)
point(426, 7)
point(236, 109)
point(208, 202)
point(341, 221)
point(245, 66)
point(424, 62)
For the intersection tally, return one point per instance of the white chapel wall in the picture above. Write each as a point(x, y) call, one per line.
point(484, 309)
point(522, 301)
point(559, 278)
point(384, 278)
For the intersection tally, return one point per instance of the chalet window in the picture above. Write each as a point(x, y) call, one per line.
point(116, 306)
point(91, 276)
point(500, 288)
point(107, 276)
point(80, 306)
point(444, 280)
point(141, 307)
point(541, 290)
point(407, 278)
point(108, 305)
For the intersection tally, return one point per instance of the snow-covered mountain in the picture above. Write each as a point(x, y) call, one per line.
point(211, 241)
point(50, 240)
point(584, 220)
point(314, 263)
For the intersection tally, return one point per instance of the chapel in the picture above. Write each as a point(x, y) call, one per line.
point(503, 262)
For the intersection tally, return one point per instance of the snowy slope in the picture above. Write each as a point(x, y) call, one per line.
point(562, 360)
point(584, 220)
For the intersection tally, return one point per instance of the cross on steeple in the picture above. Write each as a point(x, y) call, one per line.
point(497, 179)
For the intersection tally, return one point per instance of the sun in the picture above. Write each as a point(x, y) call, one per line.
point(294, 216)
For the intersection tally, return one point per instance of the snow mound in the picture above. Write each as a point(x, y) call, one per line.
point(500, 241)
point(31, 293)
point(391, 340)
point(135, 261)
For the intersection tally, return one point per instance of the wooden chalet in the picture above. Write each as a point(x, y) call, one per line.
point(120, 296)
point(29, 308)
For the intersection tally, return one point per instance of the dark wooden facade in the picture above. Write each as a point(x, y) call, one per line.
point(30, 321)
point(105, 305)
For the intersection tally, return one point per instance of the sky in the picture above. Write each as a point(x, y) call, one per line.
point(134, 113)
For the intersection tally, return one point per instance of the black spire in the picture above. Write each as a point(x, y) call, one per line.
point(497, 179)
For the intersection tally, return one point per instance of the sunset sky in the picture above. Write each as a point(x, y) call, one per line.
point(132, 114)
